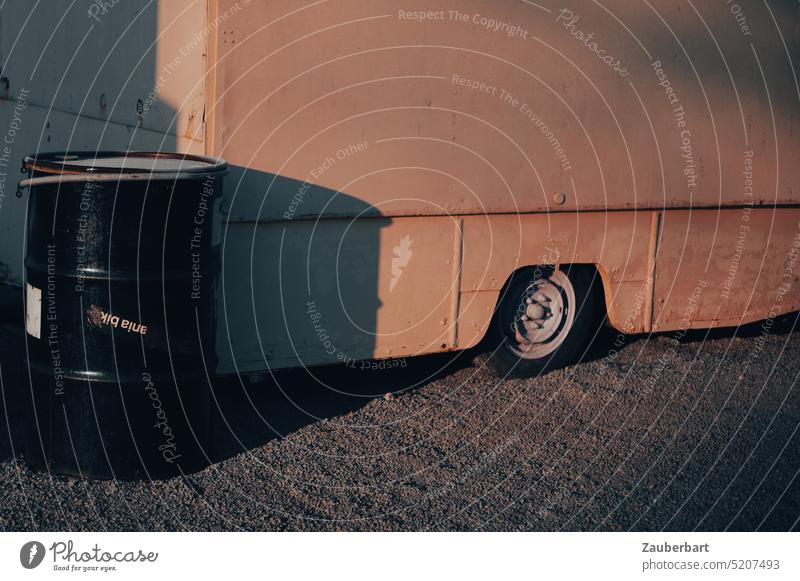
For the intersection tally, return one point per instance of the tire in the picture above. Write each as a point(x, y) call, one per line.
point(545, 319)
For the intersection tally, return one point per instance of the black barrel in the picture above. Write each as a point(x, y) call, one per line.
point(121, 267)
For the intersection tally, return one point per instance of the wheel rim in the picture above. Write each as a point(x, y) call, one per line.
point(544, 316)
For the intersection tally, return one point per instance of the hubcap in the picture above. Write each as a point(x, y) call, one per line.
point(544, 316)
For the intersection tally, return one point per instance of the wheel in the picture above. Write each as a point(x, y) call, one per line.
point(545, 320)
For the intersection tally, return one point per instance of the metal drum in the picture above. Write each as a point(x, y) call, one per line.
point(121, 266)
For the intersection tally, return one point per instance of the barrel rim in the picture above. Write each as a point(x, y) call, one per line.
point(48, 162)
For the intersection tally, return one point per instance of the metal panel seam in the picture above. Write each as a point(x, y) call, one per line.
point(652, 253)
point(458, 260)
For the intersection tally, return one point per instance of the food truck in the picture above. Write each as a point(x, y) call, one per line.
point(424, 176)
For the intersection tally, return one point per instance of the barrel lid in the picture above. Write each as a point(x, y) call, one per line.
point(123, 162)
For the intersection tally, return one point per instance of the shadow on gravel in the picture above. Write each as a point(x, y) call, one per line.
point(278, 405)
point(253, 414)
point(282, 403)
point(249, 415)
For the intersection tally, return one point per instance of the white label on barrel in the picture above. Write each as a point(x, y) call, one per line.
point(33, 311)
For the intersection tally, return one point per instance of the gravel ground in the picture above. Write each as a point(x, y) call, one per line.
point(664, 435)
